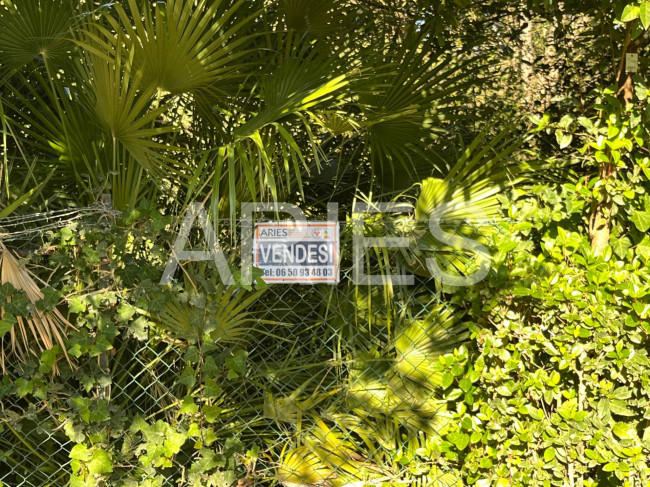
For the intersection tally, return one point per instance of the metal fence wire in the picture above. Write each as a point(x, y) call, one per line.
point(304, 385)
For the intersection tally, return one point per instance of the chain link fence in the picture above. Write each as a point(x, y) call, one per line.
point(314, 385)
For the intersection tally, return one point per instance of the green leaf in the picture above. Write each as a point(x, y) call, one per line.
point(642, 220)
point(630, 12)
point(188, 377)
point(580, 416)
point(563, 139)
point(100, 412)
point(211, 388)
point(447, 380)
point(622, 430)
point(139, 328)
point(644, 14)
point(125, 312)
point(79, 452)
point(83, 406)
point(643, 248)
point(77, 305)
point(19, 305)
point(188, 406)
point(620, 407)
point(24, 387)
point(173, 442)
point(549, 454)
point(5, 326)
point(642, 309)
point(6, 291)
point(48, 357)
point(51, 297)
point(460, 440)
point(620, 246)
point(237, 364)
point(100, 463)
point(211, 413)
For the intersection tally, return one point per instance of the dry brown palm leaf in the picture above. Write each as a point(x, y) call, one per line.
point(42, 329)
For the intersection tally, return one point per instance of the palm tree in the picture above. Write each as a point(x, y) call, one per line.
point(216, 98)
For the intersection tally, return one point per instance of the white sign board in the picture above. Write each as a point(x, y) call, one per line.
point(632, 62)
point(297, 252)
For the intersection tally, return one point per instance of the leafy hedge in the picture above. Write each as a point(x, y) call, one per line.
point(555, 389)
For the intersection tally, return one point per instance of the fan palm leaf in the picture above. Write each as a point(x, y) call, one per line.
point(467, 201)
point(408, 97)
point(420, 342)
point(317, 18)
point(101, 127)
point(183, 46)
point(30, 29)
point(328, 457)
point(225, 317)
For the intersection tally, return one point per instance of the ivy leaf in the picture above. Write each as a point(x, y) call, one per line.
point(188, 377)
point(6, 291)
point(79, 452)
point(125, 312)
point(236, 364)
point(173, 442)
point(24, 387)
point(643, 248)
point(82, 404)
point(211, 413)
point(100, 412)
point(6, 324)
point(48, 357)
point(644, 14)
point(642, 220)
point(211, 388)
point(620, 246)
point(100, 463)
point(51, 297)
point(188, 406)
point(92, 256)
point(102, 345)
point(19, 305)
point(139, 328)
point(77, 305)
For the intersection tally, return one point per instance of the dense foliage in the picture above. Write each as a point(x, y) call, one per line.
point(523, 118)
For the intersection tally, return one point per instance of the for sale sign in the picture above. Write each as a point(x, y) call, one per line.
point(297, 252)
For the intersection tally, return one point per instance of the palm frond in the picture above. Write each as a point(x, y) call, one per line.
point(42, 330)
point(30, 29)
point(466, 202)
point(420, 342)
point(225, 317)
point(184, 46)
point(317, 18)
point(328, 457)
point(407, 101)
